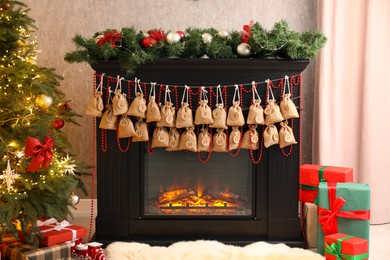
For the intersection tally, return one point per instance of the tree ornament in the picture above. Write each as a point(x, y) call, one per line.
point(181, 34)
point(9, 176)
point(74, 199)
point(207, 38)
point(43, 101)
point(223, 34)
point(172, 37)
point(68, 165)
point(65, 106)
point(148, 42)
point(244, 50)
point(58, 123)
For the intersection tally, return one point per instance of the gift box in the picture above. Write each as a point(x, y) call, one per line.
point(342, 246)
point(20, 251)
point(310, 222)
point(343, 208)
point(310, 175)
point(58, 233)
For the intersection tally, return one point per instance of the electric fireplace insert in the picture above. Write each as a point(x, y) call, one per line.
point(159, 197)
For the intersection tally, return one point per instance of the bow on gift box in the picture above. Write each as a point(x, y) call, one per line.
point(311, 187)
point(328, 217)
point(111, 37)
point(335, 250)
point(42, 153)
point(57, 226)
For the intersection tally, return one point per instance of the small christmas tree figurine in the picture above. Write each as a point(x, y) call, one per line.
point(37, 170)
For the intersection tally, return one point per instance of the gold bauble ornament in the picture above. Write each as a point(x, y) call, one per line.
point(74, 199)
point(173, 37)
point(207, 38)
point(243, 50)
point(223, 33)
point(43, 101)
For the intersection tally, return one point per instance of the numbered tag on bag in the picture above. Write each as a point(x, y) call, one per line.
point(160, 138)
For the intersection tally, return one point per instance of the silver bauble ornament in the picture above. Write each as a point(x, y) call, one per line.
point(74, 199)
point(43, 101)
point(223, 33)
point(173, 37)
point(207, 38)
point(244, 50)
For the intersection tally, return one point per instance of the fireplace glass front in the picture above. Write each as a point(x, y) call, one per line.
point(178, 184)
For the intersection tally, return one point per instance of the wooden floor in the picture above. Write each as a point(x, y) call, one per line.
point(379, 234)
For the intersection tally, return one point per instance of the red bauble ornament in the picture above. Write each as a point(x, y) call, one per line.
point(65, 106)
point(58, 123)
point(182, 34)
point(148, 42)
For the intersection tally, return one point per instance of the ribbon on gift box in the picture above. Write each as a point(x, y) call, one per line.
point(335, 249)
point(328, 217)
point(57, 226)
point(312, 187)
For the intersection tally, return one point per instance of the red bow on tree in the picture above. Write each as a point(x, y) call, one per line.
point(328, 217)
point(246, 32)
point(42, 153)
point(111, 37)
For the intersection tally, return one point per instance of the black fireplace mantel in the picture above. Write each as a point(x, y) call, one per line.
point(119, 175)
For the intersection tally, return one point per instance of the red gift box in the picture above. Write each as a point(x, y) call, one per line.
point(58, 233)
point(310, 176)
point(345, 247)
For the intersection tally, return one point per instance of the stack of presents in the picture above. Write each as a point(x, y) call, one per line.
point(60, 240)
point(336, 211)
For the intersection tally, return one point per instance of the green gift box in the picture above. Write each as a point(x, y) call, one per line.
point(343, 208)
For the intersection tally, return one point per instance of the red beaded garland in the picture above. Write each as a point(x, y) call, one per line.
point(208, 156)
point(239, 145)
point(261, 148)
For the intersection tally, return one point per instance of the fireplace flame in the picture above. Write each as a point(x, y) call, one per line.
point(186, 198)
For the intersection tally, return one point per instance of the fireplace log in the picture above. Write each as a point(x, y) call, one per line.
point(221, 195)
point(175, 195)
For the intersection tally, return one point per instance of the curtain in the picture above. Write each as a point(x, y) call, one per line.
point(351, 124)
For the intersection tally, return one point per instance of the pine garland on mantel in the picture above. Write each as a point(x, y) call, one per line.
point(131, 47)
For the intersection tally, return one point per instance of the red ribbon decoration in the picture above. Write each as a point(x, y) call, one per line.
point(246, 32)
point(111, 37)
point(42, 153)
point(328, 217)
point(157, 35)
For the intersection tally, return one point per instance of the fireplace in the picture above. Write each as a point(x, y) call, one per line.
point(161, 197)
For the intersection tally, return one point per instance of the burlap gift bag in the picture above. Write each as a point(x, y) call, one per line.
point(95, 104)
point(234, 138)
point(174, 140)
point(203, 112)
point(251, 140)
point(287, 106)
point(153, 112)
point(235, 116)
point(256, 113)
point(219, 141)
point(119, 101)
point(108, 120)
point(271, 136)
point(204, 140)
point(138, 106)
point(188, 140)
point(272, 110)
point(160, 137)
point(125, 127)
point(184, 117)
point(286, 135)
point(141, 131)
point(219, 113)
point(168, 112)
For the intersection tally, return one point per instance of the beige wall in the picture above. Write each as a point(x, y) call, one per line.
point(58, 21)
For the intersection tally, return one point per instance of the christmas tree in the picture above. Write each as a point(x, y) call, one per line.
point(37, 169)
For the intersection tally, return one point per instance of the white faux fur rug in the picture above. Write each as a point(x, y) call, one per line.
point(206, 250)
